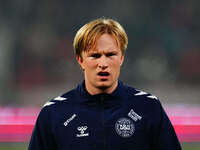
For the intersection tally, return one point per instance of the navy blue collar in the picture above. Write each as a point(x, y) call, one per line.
point(117, 93)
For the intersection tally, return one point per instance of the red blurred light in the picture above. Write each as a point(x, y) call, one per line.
point(16, 124)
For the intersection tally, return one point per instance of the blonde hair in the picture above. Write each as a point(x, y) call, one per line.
point(87, 35)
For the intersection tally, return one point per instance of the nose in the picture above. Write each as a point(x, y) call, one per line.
point(103, 64)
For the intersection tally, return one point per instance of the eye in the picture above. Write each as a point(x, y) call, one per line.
point(110, 54)
point(95, 55)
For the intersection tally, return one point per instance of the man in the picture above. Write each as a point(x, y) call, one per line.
point(102, 113)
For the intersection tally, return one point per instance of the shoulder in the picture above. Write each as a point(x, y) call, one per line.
point(53, 109)
point(141, 96)
point(62, 99)
point(133, 92)
point(144, 102)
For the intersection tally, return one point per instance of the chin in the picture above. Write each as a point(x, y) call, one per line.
point(105, 85)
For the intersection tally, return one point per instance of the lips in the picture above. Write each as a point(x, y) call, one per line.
point(103, 74)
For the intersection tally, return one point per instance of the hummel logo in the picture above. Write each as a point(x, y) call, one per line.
point(82, 131)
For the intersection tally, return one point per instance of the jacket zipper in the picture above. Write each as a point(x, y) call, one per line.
point(103, 120)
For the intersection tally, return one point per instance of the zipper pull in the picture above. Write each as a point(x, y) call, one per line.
point(102, 98)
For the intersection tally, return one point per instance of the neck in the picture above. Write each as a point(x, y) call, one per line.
point(99, 90)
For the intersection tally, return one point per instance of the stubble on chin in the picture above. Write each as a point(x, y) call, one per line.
point(103, 87)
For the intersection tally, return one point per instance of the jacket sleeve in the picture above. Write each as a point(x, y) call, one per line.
point(167, 139)
point(42, 137)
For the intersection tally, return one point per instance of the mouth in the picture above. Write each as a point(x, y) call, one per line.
point(103, 74)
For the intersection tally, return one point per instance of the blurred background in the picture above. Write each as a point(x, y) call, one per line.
point(37, 61)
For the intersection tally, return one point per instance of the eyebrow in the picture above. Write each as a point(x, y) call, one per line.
point(96, 51)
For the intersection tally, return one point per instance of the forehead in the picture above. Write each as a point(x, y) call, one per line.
point(106, 42)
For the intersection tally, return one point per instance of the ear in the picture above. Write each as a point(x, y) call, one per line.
point(80, 61)
point(122, 60)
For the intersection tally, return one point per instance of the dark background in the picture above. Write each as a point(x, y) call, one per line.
point(37, 61)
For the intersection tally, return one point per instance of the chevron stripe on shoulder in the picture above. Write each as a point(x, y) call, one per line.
point(142, 93)
point(59, 98)
point(152, 97)
point(48, 103)
point(53, 101)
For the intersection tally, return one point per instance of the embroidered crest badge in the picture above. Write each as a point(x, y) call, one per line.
point(124, 127)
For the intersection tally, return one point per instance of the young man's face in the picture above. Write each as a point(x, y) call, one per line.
point(101, 65)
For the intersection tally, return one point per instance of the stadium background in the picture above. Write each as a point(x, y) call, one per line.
point(37, 61)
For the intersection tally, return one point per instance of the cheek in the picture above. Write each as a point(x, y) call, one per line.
point(92, 63)
point(117, 64)
point(116, 68)
point(89, 64)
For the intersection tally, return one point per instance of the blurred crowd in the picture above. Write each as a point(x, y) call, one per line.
point(36, 53)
